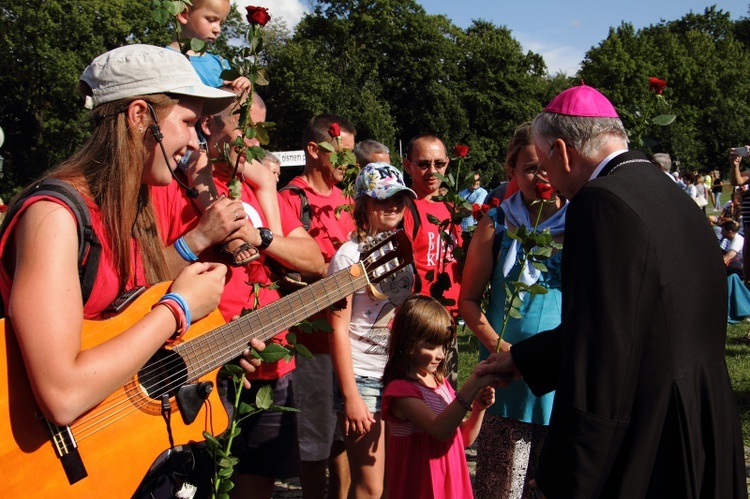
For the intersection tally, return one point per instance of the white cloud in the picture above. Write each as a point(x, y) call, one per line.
point(290, 10)
point(559, 58)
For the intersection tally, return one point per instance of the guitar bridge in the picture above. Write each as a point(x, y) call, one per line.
point(67, 450)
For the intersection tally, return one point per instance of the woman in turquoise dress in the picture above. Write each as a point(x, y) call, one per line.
point(515, 426)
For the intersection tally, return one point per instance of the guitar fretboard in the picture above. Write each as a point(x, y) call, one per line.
point(205, 353)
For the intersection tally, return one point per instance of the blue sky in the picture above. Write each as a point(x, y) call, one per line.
point(561, 31)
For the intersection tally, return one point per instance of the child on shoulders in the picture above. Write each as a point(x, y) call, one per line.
point(203, 20)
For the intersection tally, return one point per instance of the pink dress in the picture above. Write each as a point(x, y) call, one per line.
point(419, 466)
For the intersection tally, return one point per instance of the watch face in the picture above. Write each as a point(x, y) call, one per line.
point(266, 236)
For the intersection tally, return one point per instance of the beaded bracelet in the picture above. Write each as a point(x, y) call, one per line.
point(463, 401)
point(184, 250)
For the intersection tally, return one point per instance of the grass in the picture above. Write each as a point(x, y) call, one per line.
point(737, 358)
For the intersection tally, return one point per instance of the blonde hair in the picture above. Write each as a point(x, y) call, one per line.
point(419, 319)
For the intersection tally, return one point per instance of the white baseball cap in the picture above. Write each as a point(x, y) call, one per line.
point(146, 69)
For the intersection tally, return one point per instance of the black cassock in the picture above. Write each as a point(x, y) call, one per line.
point(644, 405)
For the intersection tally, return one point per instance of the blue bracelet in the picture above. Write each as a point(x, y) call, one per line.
point(184, 250)
point(179, 299)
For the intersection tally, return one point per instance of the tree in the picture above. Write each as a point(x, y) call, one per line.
point(396, 71)
point(707, 69)
point(46, 46)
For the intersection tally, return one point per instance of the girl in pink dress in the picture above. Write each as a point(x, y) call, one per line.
point(428, 432)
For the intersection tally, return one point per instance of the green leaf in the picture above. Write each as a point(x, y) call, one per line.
point(264, 397)
point(198, 45)
point(256, 152)
point(322, 325)
point(283, 408)
point(539, 266)
point(291, 337)
point(664, 119)
point(327, 146)
point(538, 289)
point(514, 313)
point(262, 135)
point(230, 74)
point(303, 351)
point(517, 302)
point(262, 77)
point(273, 352)
point(226, 486)
point(225, 472)
point(210, 438)
point(433, 219)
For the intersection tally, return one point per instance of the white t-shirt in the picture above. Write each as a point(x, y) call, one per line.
point(369, 329)
point(736, 244)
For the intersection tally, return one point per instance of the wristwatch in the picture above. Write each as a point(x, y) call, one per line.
point(266, 237)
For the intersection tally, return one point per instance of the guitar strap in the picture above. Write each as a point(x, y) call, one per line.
point(89, 247)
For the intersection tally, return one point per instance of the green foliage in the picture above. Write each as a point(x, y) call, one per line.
point(707, 69)
point(46, 46)
point(396, 71)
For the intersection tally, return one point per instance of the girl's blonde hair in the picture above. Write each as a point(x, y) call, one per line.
point(419, 319)
point(109, 170)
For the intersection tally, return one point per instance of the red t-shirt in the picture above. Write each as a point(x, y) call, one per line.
point(177, 215)
point(329, 231)
point(430, 251)
point(106, 287)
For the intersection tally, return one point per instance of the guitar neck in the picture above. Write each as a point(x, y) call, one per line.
point(211, 350)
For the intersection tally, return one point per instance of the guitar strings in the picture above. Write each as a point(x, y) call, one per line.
point(181, 369)
point(110, 413)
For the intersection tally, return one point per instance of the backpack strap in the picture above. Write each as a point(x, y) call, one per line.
point(89, 247)
point(305, 210)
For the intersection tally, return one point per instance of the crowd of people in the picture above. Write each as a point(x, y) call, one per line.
point(608, 381)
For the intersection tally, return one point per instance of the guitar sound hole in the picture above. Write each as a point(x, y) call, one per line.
point(165, 372)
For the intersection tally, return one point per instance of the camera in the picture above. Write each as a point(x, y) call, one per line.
point(740, 151)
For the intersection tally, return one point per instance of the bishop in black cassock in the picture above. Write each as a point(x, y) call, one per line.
point(644, 407)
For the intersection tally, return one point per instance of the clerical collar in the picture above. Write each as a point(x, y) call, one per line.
point(604, 162)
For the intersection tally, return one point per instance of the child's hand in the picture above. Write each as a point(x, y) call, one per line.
point(485, 398)
point(238, 85)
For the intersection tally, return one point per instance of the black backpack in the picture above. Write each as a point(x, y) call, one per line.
point(89, 247)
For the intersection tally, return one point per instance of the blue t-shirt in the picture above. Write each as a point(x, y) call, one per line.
point(209, 68)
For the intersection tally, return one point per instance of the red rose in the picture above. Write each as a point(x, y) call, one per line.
point(477, 212)
point(257, 15)
point(461, 150)
point(3, 208)
point(495, 202)
point(544, 190)
point(657, 85)
point(334, 130)
point(485, 208)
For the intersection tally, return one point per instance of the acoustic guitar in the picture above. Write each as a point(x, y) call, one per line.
point(108, 450)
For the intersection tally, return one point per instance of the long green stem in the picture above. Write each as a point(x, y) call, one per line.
point(516, 292)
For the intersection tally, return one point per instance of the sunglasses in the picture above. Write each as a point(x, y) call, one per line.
point(426, 163)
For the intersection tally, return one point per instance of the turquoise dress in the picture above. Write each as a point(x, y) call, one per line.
point(538, 313)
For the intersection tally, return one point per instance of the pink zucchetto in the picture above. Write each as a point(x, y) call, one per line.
point(582, 101)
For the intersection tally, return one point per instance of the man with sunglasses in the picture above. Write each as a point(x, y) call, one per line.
point(438, 270)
